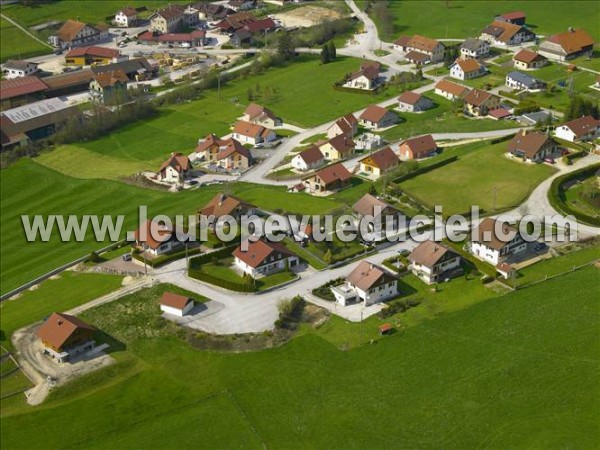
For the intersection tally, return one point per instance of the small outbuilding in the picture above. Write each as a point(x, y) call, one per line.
point(175, 304)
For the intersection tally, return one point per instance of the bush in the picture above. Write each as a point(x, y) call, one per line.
point(398, 306)
point(557, 199)
point(324, 292)
point(290, 312)
point(163, 259)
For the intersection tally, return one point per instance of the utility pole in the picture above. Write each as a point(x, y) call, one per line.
point(219, 85)
point(361, 326)
point(494, 203)
point(145, 264)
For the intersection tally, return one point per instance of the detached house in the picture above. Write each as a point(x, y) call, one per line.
point(234, 156)
point(467, 69)
point(226, 205)
point(347, 125)
point(493, 247)
point(450, 90)
point(505, 33)
point(523, 82)
point(412, 102)
point(531, 146)
point(260, 115)
point(376, 164)
point(567, 45)
point(474, 48)
point(175, 169)
point(528, 60)
point(368, 284)
point(367, 78)
point(329, 178)
point(385, 217)
point(336, 148)
point(156, 239)
point(377, 117)
point(478, 103)
point(64, 336)
point(585, 128)
point(73, 33)
point(167, 20)
point(308, 159)
point(433, 262)
point(126, 17)
point(263, 258)
point(208, 148)
point(420, 49)
point(418, 148)
point(18, 69)
point(252, 133)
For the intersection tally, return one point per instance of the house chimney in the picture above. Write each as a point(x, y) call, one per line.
point(524, 133)
point(60, 322)
point(571, 30)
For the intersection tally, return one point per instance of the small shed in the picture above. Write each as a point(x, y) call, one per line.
point(175, 304)
point(386, 328)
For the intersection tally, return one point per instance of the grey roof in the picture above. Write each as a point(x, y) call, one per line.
point(523, 78)
point(534, 117)
point(129, 66)
point(18, 64)
point(472, 44)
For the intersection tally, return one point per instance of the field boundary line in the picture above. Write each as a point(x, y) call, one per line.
point(548, 278)
point(25, 30)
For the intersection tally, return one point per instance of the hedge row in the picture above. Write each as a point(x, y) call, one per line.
point(196, 262)
point(159, 261)
point(556, 195)
point(426, 169)
point(232, 286)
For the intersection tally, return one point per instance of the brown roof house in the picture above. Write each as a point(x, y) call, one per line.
point(383, 215)
point(514, 17)
point(64, 337)
point(585, 128)
point(20, 91)
point(308, 159)
point(73, 34)
point(226, 205)
point(377, 117)
point(412, 102)
point(336, 148)
point(167, 20)
point(261, 115)
point(264, 257)
point(496, 247)
point(467, 69)
point(567, 45)
point(234, 157)
point(433, 262)
point(505, 33)
point(175, 304)
point(209, 147)
point(528, 60)
point(418, 148)
point(367, 78)
point(450, 90)
point(347, 125)
point(126, 17)
point(93, 54)
point(109, 88)
point(175, 169)
point(155, 239)
point(379, 162)
point(478, 103)
point(420, 49)
point(252, 133)
point(531, 146)
point(368, 284)
point(330, 178)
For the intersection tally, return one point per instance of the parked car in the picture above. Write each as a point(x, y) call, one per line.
point(549, 160)
point(126, 257)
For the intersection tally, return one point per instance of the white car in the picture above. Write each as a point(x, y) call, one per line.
point(185, 45)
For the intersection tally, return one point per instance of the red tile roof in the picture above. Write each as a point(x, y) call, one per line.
point(383, 159)
point(530, 143)
point(367, 275)
point(410, 98)
point(58, 328)
point(311, 155)
point(178, 161)
point(527, 56)
point(452, 88)
point(582, 125)
point(572, 41)
point(155, 234)
point(428, 253)
point(223, 205)
point(514, 15)
point(259, 251)
point(21, 86)
point(93, 50)
point(234, 146)
point(374, 113)
point(421, 145)
point(174, 300)
point(335, 172)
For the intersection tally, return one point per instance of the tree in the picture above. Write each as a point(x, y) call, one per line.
point(372, 189)
point(332, 51)
point(327, 257)
point(250, 95)
point(325, 58)
point(285, 46)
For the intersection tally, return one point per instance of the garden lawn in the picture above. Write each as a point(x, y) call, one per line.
point(463, 19)
point(576, 200)
point(17, 44)
point(509, 370)
point(29, 188)
point(440, 119)
point(483, 176)
point(69, 290)
point(557, 265)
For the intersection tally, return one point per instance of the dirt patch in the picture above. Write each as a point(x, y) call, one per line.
point(307, 16)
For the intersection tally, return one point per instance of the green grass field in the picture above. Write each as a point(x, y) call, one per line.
point(54, 295)
point(440, 119)
point(30, 188)
point(481, 170)
point(463, 19)
point(512, 372)
point(18, 45)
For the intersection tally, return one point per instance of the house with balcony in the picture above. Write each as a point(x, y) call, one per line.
point(433, 262)
point(367, 284)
